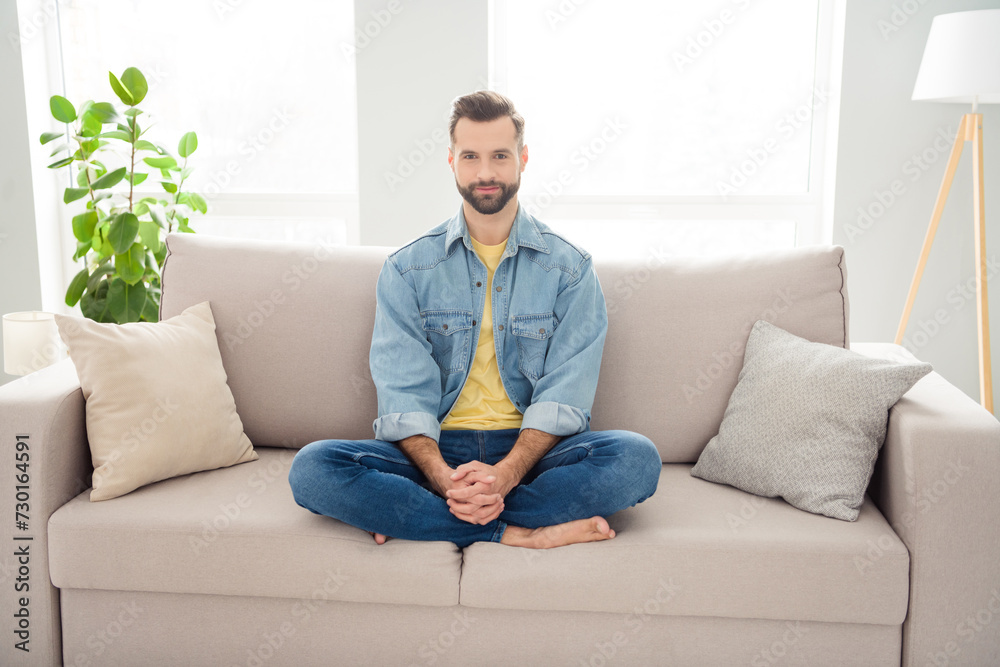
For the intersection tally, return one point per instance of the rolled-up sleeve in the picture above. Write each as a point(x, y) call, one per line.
point(407, 379)
point(564, 394)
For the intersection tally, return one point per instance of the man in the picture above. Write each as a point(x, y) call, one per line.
point(489, 331)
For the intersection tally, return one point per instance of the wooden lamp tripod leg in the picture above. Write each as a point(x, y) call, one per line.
point(949, 175)
point(982, 303)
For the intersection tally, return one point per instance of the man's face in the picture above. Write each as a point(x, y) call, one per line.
point(486, 163)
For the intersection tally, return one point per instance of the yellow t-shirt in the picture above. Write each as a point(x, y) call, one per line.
point(483, 404)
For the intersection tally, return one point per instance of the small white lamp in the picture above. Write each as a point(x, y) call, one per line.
point(961, 63)
point(30, 342)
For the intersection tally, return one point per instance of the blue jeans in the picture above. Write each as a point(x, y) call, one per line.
point(372, 485)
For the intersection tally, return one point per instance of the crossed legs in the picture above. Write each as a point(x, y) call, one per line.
point(372, 485)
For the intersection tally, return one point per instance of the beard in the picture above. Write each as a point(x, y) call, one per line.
point(492, 203)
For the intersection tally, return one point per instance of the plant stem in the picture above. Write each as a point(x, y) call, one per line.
point(131, 174)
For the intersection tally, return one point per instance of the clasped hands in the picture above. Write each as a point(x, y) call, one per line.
point(475, 491)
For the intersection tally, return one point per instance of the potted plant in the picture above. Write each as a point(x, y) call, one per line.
point(120, 239)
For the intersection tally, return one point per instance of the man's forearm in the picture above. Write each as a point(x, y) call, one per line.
point(529, 449)
point(424, 453)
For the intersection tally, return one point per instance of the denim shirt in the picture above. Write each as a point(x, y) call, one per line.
point(549, 326)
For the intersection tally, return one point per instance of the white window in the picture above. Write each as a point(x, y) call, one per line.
point(268, 88)
point(691, 127)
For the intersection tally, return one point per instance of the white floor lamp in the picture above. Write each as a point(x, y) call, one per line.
point(961, 63)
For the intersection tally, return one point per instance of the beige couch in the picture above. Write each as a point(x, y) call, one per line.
point(223, 568)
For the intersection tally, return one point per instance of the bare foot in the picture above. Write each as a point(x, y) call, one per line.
point(593, 529)
point(379, 537)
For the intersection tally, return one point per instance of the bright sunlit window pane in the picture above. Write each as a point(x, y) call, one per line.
point(266, 86)
point(663, 97)
point(634, 239)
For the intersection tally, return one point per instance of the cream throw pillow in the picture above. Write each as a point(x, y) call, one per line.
point(158, 404)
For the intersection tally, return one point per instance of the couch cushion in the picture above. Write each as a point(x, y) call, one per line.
point(701, 549)
point(805, 422)
point(294, 323)
point(237, 531)
point(158, 404)
point(677, 327)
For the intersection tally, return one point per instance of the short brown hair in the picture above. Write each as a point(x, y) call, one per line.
point(486, 105)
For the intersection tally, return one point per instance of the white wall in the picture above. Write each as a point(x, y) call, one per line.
point(407, 76)
point(20, 284)
point(881, 130)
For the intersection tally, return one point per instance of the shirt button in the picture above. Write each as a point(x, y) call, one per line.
point(541, 331)
point(499, 288)
point(500, 327)
point(478, 284)
point(444, 326)
point(473, 323)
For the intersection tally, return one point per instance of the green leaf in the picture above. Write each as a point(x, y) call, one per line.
point(168, 186)
point(151, 311)
point(160, 162)
point(83, 227)
point(58, 149)
point(62, 109)
point(104, 112)
point(130, 265)
point(188, 144)
point(91, 127)
point(61, 163)
point(94, 303)
point(124, 229)
point(143, 145)
point(85, 177)
point(138, 178)
point(133, 112)
point(120, 90)
point(117, 134)
point(161, 255)
point(125, 301)
point(49, 136)
point(72, 194)
point(199, 203)
point(102, 270)
point(158, 215)
point(76, 287)
point(135, 82)
point(149, 232)
point(109, 180)
point(82, 248)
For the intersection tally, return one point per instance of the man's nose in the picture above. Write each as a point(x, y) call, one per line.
point(486, 170)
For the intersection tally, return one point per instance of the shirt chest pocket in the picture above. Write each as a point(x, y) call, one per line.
point(532, 333)
point(448, 332)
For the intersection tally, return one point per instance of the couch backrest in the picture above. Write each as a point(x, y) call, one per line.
point(294, 324)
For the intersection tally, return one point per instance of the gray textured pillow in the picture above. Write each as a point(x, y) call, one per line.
point(805, 422)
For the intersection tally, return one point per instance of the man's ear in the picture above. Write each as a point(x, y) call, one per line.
point(524, 157)
point(451, 156)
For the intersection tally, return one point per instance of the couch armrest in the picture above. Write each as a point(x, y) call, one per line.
point(937, 482)
point(45, 410)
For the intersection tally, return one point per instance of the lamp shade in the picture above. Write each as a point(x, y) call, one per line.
point(962, 59)
point(30, 342)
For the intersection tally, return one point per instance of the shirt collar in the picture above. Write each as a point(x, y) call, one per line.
point(523, 233)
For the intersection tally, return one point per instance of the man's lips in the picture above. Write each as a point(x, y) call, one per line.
point(488, 190)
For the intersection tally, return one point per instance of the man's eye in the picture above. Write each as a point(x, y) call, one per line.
point(501, 156)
